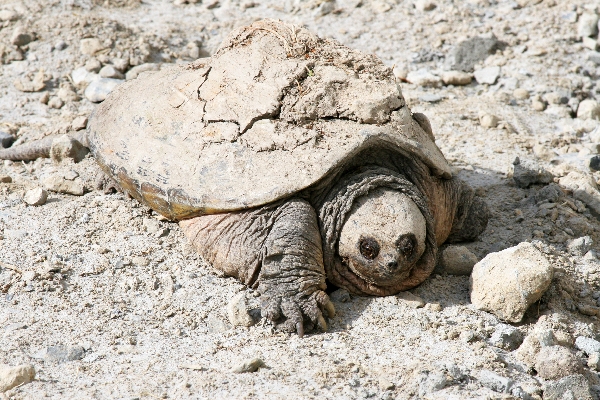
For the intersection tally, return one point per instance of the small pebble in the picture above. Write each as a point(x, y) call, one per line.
point(93, 65)
point(57, 183)
point(487, 75)
point(457, 260)
point(67, 94)
point(588, 109)
point(35, 197)
point(6, 140)
point(587, 345)
point(5, 179)
point(109, 71)
point(521, 94)
point(248, 366)
point(456, 78)
point(237, 311)
point(506, 337)
point(538, 105)
point(423, 78)
point(11, 377)
point(90, 46)
point(489, 121)
point(590, 43)
point(60, 45)
point(61, 353)
point(555, 362)
point(580, 246)
point(588, 25)
point(120, 64)
point(495, 382)
point(8, 15)
point(21, 37)
point(79, 123)
point(55, 103)
point(410, 299)
point(99, 89)
point(594, 361)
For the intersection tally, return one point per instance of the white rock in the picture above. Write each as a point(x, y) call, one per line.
point(487, 75)
point(93, 65)
point(521, 94)
point(590, 43)
point(109, 71)
point(588, 109)
point(237, 311)
point(99, 89)
point(79, 123)
point(506, 283)
point(488, 121)
point(90, 46)
point(588, 25)
point(423, 77)
point(587, 345)
point(8, 15)
point(456, 78)
point(67, 94)
point(11, 377)
point(35, 197)
point(82, 76)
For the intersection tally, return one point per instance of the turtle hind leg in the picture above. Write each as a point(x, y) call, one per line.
point(471, 217)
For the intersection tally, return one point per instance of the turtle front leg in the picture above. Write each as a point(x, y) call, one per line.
point(275, 249)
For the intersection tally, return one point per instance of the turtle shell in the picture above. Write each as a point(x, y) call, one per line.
point(273, 111)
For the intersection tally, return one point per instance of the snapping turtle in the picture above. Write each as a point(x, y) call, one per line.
point(289, 160)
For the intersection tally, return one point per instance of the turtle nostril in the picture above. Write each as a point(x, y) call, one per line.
point(392, 264)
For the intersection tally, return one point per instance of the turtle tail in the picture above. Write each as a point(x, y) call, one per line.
point(35, 149)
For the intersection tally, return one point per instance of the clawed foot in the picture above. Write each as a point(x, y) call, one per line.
point(298, 313)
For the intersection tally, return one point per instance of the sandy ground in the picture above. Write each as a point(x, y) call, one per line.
point(142, 316)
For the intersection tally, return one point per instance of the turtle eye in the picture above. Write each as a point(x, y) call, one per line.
point(406, 245)
point(369, 248)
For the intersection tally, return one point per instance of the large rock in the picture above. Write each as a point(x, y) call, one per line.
point(506, 283)
point(11, 377)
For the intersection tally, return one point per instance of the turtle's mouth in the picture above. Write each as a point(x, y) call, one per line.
point(384, 267)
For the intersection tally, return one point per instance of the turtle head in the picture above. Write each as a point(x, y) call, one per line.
point(383, 237)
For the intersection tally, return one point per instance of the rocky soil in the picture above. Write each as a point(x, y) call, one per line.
point(107, 300)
